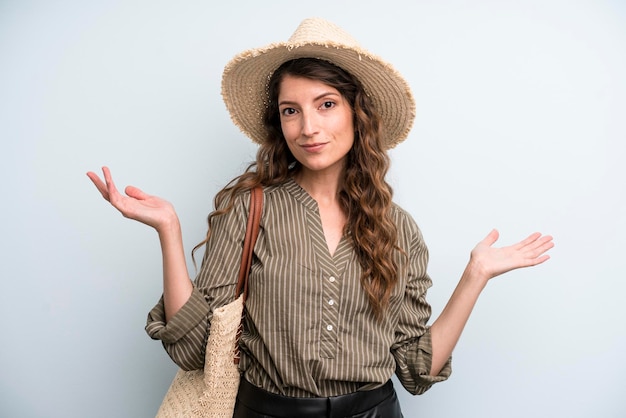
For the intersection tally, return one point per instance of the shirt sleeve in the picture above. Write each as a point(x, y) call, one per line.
point(184, 336)
point(413, 345)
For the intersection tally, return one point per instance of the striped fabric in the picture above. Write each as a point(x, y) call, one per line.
point(309, 330)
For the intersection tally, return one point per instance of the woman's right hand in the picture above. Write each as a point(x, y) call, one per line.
point(137, 205)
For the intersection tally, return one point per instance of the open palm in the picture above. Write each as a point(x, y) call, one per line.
point(137, 205)
point(493, 261)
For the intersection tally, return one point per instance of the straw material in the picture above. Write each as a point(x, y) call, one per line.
point(212, 392)
point(246, 76)
point(209, 393)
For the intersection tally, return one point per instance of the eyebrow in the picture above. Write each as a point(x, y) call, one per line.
point(316, 98)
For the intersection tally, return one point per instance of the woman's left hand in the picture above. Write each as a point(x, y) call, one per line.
point(491, 261)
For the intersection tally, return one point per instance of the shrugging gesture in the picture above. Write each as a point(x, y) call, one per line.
point(486, 262)
point(160, 215)
point(318, 325)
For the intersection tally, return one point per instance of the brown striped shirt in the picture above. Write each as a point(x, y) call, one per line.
point(309, 330)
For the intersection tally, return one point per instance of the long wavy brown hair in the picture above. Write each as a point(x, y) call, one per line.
point(366, 197)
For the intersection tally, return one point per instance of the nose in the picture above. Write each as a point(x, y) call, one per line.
point(310, 125)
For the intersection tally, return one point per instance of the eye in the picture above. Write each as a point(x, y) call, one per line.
point(328, 104)
point(287, 111)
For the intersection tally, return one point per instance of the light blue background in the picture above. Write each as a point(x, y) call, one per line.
point(520, 126)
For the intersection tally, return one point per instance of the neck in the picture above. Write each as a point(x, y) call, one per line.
point(322, 187)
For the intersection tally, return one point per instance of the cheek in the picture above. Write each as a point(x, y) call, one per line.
point(290, 131)
point(349, 127)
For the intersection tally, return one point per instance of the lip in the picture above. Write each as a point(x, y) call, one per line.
point(312, 148)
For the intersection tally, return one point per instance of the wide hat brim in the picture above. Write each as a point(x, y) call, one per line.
point(246, 76)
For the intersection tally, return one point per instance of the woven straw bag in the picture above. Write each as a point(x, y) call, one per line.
point(211, 393)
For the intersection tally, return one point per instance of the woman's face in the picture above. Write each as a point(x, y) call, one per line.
point(317, 124)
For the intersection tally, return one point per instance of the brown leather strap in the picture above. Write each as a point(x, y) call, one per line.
point(252, 231)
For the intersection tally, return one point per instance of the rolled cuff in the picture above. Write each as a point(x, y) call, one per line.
point(414, 374)
point(195, 310)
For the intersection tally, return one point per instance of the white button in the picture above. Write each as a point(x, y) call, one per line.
point(331, 279)
point(331, 302)
point(329, 327)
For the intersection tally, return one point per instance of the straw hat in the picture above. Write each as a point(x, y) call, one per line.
point(246, 76)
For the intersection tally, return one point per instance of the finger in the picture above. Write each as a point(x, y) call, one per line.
point(102, 188)
point(545, 242)
point(491, 238)
point(114, 194)
point(543, 245)
point(136, 193)
point(538, 260)
point(107, 176)
point(538, 254)
point(528, 240)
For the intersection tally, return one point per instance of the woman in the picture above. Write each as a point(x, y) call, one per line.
point(337, 299)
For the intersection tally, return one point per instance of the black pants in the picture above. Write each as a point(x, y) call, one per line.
point(253, 402)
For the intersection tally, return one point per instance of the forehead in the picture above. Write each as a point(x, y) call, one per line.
point(303, 87)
